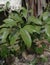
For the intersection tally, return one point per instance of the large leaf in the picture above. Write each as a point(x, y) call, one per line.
point(2, 30)
point(26, 37)
point(47, 30)
point(48, 20)
point(45, 16)
point(16, 17)
point(13, 38)
point(31, 28)
point(7, 5)
point(10, 22)
point(34, 20)
point(5, 34)
point(24, 12)
point(37, 28)
point(4, 25)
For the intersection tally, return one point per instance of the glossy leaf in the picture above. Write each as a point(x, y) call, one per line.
point(10, 22)
point(16, 17)
point(48, 20)
point(24, 12)
point(37, 28)
point(26, 37)
point(4, 25)
point(45, 16)
point(5, 34)
point(31, 28)
point(47, 30)
point(13, 38)
point(34, 20)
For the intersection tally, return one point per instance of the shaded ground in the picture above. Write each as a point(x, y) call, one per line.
point(26, 59)
point(30, 58)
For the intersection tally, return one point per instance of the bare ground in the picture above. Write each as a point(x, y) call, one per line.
point(29, 58)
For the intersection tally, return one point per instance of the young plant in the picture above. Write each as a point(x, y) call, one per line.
point(21, 32)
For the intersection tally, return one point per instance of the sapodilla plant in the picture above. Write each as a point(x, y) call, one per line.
point(16, 28)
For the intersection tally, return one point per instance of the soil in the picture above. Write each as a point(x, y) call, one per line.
point(29, 58)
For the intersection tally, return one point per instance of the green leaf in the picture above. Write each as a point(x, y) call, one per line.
point(16, 17)
point(2, 30)
point(5, 34)
point(31, 28)
point(45, 16)
point(10, 22)
point(43, 58)
point(47, 30)
point(48, 20)
point(39, 50)
point(34, 61)
point(4, 52)
point(34, 20)
point(1, 9)
point(24, 12)
point(37, 28)
point(48, 38)
point(26, 37)
point(13, 38)
point(4, 25)
point(7, 5)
